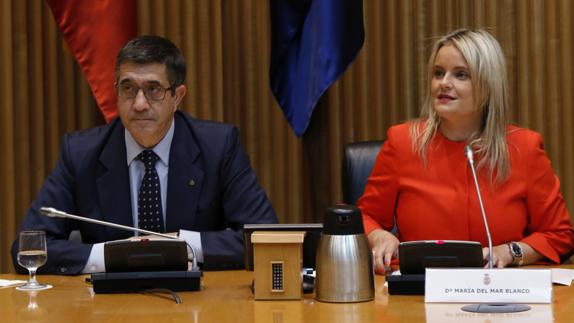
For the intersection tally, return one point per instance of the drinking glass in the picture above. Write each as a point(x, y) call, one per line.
point(32, 253)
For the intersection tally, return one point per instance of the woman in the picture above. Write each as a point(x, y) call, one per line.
point(422, 183)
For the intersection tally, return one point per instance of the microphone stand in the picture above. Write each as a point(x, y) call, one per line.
point(54, 213)
point(497, 307)
point(470, 156)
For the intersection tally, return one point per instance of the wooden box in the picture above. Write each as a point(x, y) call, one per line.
point(277, 264)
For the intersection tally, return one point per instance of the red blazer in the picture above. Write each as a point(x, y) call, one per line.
point(439, 202)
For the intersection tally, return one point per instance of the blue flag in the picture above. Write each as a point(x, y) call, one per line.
point(313, 42)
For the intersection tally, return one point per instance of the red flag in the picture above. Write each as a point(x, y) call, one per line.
point(96, 31)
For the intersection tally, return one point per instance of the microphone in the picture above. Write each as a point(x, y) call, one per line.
point(54, 213)
point(470, 156)
point(497, 307)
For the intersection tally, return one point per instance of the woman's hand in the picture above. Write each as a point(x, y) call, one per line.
point(385, 246)
point(501, 256)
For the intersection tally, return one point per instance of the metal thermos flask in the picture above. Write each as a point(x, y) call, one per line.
point(344, 259)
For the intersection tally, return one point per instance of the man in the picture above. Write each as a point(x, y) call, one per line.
point(207, 188)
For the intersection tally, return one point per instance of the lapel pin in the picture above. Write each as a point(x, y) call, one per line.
point(191, 182)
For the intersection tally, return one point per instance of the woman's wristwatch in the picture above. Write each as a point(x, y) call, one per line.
point(516, 253)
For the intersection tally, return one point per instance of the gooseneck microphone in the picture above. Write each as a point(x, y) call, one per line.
point(470, 156)
point(496, 307)
point(54, 213)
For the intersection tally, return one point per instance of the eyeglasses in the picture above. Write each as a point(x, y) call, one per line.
point(154, 92)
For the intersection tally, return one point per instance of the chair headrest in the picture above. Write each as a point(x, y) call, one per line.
point(358, 161)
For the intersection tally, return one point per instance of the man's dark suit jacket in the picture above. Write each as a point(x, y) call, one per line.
point(211, 189)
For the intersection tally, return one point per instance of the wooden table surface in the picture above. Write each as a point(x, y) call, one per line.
point(226, 297)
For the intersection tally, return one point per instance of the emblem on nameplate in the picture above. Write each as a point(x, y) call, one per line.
point(486, 279)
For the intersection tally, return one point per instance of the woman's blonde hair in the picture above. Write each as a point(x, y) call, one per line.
point(487, 67)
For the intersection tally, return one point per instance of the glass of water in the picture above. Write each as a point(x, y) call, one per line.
point(32, 254)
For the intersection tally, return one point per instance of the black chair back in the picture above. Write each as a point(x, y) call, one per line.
point(359, 158)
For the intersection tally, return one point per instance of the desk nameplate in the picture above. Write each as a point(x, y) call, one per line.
point(488, 286)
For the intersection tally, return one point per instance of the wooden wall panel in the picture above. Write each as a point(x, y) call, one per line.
point(8, 218)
